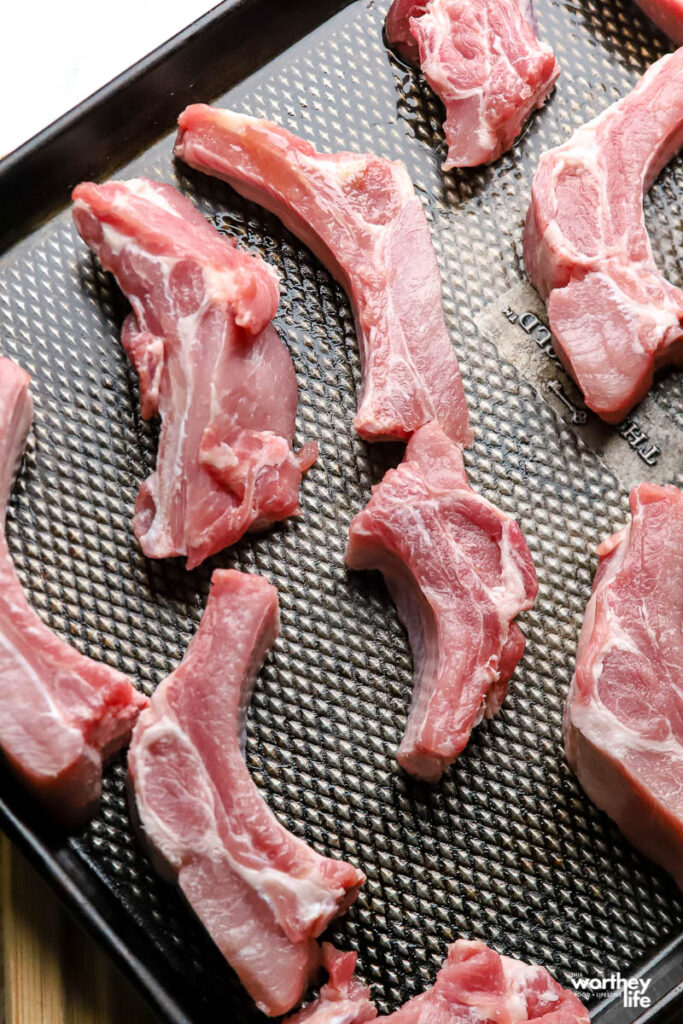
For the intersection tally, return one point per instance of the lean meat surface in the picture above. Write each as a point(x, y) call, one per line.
point(459, 571)
point(474, 986)
point(667, 15)
point(360, 216)
point(61, 714)
point(210, 364)
point(263, 895)
point(614, 317)
point(483, 61)
point(623, 722)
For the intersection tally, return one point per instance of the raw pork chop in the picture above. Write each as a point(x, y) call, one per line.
point(360, 216)
point(343, 1000)
point(400, 37)
point(477, 985)
point(209, 364)
point(667, 14)
point(483, 61)
point(474, 986)
point(61, 714)
point(614, 317)
point(459, 571)
point(263, 895)
point(623, 722)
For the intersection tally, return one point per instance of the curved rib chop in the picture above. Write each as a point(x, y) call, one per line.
point(483, 61)
point(475, 985)
point(360, 216)
point(263, 895)
point(61, 714)
point(209, 364)
point(667, 15)
point(459, 571)
point(623, 721)
point(614, 317)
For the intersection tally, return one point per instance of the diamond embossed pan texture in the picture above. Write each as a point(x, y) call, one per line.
point(507, 848)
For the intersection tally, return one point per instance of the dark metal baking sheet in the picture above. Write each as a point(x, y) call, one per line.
point(507, 848)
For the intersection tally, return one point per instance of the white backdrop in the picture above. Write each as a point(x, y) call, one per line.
point(54, 53)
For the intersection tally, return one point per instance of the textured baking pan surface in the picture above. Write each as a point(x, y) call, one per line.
point(507, 848)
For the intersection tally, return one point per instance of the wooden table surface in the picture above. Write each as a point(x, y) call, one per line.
point(53, 972)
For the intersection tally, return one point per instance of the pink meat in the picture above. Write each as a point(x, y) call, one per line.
point(459, 571)
point(623, 722)
point(474, 986)
point(400, 37)
point(210, 364)
point(614, 317)
point(343, 1000)
point(360, 216)
point(667, 14)
point(61, 714)
point(263, 895)
point(478, 986)
point(397, 28)
point(483, 61)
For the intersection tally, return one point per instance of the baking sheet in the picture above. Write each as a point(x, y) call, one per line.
point(507, 848)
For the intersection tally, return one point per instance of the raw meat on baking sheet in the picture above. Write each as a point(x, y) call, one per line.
point(210, 364)
point(459, 571)
point(623, 722)
point(400, 37)
point(359, 214)
point(485, 64)
point(477, 986)
point(667, 15)
point(614, 317)
point(61, 714)
point(344, 999)
point(263, 895)
point(474, 986)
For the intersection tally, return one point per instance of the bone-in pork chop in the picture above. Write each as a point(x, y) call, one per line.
point(359, 214)
point(613, 315)
point(210, 364)
point(623, 722)
point(263, 895)
point(485, 64)
point(61, 714)
point(459, 571)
